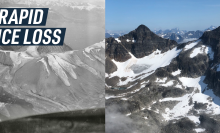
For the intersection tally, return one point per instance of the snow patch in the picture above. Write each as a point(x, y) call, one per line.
point(195, 119)
point(67, 66)
point(170, 83)
point(210, 53)
point(117, 40)
point(154, 61)
point(191, 45)
point(182, 108)
point(199, 50)
point(176, 72)
point(128, 114)
point(161, 80)
point(58, 69)
point(199, 130)
point(96, 46)
point(32, 50)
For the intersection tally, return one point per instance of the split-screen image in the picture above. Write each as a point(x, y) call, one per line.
point(124, 66)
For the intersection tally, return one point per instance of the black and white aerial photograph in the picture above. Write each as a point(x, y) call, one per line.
point(162, 66)
point(56, 89)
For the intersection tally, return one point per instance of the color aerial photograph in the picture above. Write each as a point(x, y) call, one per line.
point(56, 89)
point(162, 66)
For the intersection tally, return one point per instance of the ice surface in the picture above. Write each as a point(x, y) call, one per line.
point(200, 50)
point(195, 119)
point(58, 69)
point(154, 61)
point(32, 50)
point(117, 40)
point(170, 83)
point(182, 108)
point(161, 80)
point(176, 72)
point(191, 45)
point(95, 46)
point(66, 66)
point(210, 53)
point(199, 130)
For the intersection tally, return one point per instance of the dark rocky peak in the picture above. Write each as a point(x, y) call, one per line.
point(142, 28)
point(211, 38)
point(142, 42)
point(141, 33)
point(110, 40)
point(115, 50)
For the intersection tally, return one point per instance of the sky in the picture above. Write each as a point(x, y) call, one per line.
point(127, 15)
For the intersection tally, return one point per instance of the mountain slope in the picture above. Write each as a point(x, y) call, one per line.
point(51, 79)
point(172, 88)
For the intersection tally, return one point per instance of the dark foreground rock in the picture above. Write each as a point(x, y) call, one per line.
point(82, 121)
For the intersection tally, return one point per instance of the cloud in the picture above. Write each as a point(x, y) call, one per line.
point(118, 123)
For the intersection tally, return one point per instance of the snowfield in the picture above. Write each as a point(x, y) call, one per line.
point(154, 61)
point(182, 108)
point(176, 72)
point(191, 45)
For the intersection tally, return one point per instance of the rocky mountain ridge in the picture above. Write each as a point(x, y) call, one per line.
point(180, 36)
point(173, 88)
point(50, 79)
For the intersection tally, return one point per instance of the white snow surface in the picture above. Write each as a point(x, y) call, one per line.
point(176, 72)
point(161, 80)
point(210, 53)
point(96, 46)
point(128, 40)
point(124, 94)
point(199, 50)
point(182, 108)
point(170, 83)
point(117, 40)
point(195, 119)
point(198, 130)
point(154, 60)
point(58, 69)
point(191, 45)
point(32, 50)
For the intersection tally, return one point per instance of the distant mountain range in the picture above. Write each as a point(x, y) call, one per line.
point(115, 35)
point(180, 36)
point(68, 3)
point(85, 22)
